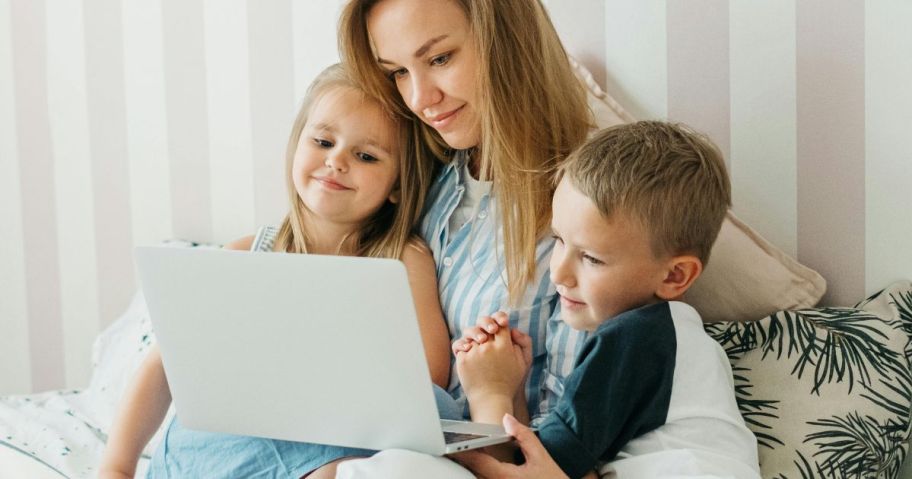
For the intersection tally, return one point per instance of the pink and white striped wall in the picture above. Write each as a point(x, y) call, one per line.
point(126, 122)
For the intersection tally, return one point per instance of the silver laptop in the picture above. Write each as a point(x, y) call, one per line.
point(322, 349)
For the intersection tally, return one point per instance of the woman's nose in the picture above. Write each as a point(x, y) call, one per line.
point(424, 94)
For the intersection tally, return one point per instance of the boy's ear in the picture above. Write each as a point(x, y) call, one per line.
point(681, 273)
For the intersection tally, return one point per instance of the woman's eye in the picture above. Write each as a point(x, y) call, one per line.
point(397, 74)
point(323, 143)
point(440, 59)
point(367, 158)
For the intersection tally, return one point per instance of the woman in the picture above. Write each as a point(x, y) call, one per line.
point(492, 86)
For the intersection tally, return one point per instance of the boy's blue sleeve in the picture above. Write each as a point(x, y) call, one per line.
point(619, 389)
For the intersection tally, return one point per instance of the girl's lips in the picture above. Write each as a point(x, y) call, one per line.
point(331, 184)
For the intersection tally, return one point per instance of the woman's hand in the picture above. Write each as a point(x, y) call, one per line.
point(538, 465)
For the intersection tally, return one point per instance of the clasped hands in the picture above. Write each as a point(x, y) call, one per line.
point(492, 361)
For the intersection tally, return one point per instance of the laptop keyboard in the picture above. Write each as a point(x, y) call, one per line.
point(451, 437)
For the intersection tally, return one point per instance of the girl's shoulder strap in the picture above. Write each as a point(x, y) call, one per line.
point(264, 239)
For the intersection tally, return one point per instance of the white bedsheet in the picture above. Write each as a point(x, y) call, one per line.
point(66, 430)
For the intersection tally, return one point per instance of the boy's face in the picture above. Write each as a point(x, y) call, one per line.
point(601, 267)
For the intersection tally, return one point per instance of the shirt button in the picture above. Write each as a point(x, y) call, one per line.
point(448, 261)
point(483, 214)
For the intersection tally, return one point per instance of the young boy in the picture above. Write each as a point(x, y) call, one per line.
point(635, 214)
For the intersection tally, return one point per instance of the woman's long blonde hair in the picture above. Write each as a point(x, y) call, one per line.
point(390, 229)
point(533, 112)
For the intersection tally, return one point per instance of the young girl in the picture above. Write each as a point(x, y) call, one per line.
point(355, 189)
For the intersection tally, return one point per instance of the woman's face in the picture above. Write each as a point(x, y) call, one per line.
point(429, 53)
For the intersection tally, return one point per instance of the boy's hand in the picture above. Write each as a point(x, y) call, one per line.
point(485, 329)
point(495, 368)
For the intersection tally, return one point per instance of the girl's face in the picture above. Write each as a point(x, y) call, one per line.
point(347, 160)
point(429, 53)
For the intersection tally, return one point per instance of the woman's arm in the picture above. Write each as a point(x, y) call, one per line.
point(142, 410)
point(422, 274)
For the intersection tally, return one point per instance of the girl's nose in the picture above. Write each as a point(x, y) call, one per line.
point(336, 162)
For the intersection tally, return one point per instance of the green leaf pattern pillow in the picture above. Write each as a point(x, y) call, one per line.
point(827, 391)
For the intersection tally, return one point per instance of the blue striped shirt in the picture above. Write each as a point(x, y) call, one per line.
point(472, 280)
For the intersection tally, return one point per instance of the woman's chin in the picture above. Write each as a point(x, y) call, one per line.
point(460, 140)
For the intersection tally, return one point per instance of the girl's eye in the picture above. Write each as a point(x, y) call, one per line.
point(367, 158)
point(557, 239)
point(591, 260)
point(440, 59)
point(323, 143)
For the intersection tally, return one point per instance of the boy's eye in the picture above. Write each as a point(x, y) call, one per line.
point(591, 260)
point(323, 143)
point(367, 158)
point(440, 59)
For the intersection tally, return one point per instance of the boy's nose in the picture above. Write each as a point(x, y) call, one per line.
point(561, 272)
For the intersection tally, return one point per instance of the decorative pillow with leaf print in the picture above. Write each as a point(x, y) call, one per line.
point(827, 391)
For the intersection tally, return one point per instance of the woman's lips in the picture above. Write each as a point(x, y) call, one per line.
point(444, 120)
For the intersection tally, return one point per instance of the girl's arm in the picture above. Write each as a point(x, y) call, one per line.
point(422, 274)
point(142, 410)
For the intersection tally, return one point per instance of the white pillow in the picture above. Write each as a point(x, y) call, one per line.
point(747, 277)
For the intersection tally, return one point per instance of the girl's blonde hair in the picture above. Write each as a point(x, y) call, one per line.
point(390, 229)
point(533, 112)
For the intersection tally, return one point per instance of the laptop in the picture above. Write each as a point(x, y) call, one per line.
point(309, 348)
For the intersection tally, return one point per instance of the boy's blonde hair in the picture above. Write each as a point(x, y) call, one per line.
point(533, 112)
point(669, 178)
point(390, 229)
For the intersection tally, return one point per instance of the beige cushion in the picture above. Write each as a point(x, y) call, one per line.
point(747, 277)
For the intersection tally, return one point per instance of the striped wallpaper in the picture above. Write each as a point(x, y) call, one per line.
point(126, 122)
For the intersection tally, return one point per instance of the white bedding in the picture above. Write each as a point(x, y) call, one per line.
point(65, 431)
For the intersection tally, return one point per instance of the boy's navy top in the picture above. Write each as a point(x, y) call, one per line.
point(650, 393)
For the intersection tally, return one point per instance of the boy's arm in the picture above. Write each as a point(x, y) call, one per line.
point(619, 390)
point(492, 360)
point(142, 410)
point(490, 376)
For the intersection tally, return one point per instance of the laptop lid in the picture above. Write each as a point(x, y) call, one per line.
point(310, 348)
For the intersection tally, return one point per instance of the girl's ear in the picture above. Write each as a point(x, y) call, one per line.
point(682, 272)
point(394, 195)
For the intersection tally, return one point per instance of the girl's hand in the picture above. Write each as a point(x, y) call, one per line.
point(539, 464)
